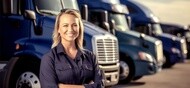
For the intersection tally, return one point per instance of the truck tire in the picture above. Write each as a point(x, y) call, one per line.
point(167, 63)
point(25, 74)
point(127, 71)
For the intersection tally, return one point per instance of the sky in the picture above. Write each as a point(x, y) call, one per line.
point(171, 11)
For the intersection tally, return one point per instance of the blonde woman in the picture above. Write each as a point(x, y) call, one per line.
point(67, 64)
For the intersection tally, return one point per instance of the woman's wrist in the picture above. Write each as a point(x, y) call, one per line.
point(60, 85)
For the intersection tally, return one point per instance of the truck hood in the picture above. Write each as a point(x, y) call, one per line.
point(135, 39)
point(169, 41)
point(169, 37)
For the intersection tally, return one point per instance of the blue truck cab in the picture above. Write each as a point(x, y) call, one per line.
point(139, 53)
point(179, 31)
point(144, 21)
point(26, 34)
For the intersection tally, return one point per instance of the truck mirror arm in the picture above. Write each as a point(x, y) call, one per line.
point(84, 12)
point(112, 26)
point(29, 14)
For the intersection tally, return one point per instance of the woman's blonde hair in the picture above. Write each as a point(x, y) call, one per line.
point(56, 36)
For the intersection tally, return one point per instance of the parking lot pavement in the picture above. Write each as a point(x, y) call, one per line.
point(175, 77)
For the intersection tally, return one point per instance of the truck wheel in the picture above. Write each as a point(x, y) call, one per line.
point(167, 63)
point(28, 80)
point(127, 71)
point(25, 74)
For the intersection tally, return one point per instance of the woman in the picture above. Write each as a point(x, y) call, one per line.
point(67, 64)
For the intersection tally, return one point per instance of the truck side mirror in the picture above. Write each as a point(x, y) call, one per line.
point(112, 26)
point(29, 14)
point(84, 12)
point(150, 30)
point(129, 21)
point(142, 35)
point(104, 19)
point(105, 25)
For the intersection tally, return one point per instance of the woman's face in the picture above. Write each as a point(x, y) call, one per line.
point(68, 27)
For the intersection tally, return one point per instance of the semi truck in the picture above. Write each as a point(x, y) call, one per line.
point(143, 20)
point(26, 34)
point(178, 30)
point(140, 54)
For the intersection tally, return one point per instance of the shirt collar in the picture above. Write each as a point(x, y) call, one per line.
point(61, 49)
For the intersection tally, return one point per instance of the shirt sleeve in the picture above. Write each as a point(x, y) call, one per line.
point(48, 78)
point(98, 76)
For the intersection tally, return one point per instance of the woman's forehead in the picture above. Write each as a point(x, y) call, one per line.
point(68, 15)
point(65, 18)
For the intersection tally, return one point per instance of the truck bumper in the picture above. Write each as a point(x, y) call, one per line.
point(111, 74)
point(174, 58)
point(145, 68)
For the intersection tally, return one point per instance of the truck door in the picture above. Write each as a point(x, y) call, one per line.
point(1, 11)
point(14, 26)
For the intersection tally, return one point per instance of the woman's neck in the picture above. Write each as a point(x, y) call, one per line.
point(68, 45)
point(70, 49)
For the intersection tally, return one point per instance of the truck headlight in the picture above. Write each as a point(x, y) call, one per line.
point(145, 56)
point(175, 50)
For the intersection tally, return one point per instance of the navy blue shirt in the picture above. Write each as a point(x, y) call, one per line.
point(57, 67)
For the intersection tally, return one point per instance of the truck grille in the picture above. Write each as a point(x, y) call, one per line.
point(159, 54)
point(183, 46)
point(106, 49)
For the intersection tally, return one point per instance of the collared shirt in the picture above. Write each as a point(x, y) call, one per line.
point(57, 67)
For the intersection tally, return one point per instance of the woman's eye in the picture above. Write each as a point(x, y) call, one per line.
point(74, 25)
point(65, 25)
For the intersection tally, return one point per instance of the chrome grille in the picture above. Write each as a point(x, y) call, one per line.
point(106, 49)
point(183, 46)
point(159, 54)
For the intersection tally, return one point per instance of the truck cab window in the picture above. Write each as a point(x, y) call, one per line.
point(15, 7)
point(95, 18)
point(142, 29)
point(51, 7)
point(10, 7)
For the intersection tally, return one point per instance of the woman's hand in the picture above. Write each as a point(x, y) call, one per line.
point(60, 85)
point(91, 82)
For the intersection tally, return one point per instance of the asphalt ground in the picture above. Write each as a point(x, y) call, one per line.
point(176, 77)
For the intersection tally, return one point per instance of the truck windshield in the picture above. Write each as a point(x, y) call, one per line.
point(53, 7)
point(111, 1)
point(120, 21)
point(108, 1)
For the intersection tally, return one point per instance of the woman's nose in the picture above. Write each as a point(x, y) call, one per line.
point(70, 28)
